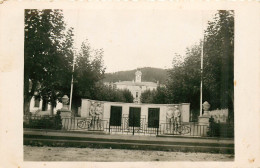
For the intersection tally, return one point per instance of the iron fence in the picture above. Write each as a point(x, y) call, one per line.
point(93, 124)
point(88, 124)
point(187, 129)
point(125, 126)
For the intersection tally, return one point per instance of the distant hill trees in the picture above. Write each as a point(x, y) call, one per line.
point(149, 74)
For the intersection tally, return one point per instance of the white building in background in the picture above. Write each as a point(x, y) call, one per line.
point(136, 87)
point(39, 107)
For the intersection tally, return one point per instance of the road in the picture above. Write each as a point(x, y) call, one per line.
point(33, 153)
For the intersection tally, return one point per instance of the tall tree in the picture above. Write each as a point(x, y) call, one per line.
point(47, 54)
point(218, 74)
point(89, 70)
point(219, 61)
point(183, 84)
point(57, 81)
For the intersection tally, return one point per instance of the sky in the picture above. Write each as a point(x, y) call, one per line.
point(134, 38)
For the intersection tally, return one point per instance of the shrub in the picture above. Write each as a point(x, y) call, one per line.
point(44, 122)
point(220, 129)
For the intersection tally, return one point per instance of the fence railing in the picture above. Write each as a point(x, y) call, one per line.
point(103, 125)
point(187, 129)
point(77, 123)
point(88, 124)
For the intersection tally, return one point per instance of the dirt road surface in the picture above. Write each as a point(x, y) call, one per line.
point(115, 155)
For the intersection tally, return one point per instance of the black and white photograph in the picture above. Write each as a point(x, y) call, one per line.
point(128, 84)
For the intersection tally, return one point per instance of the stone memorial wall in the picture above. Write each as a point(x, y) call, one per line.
point(101, 110)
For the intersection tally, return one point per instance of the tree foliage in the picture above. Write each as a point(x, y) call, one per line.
point(47, 55)
point(183, 84)
point(108, 93)
point(48, 61)
point(218, 76)
point(147, 96)
point(88, 75)
point(158, 96)
point(89, 70)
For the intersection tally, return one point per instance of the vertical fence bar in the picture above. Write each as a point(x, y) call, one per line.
point(203, 130)
point(197, 128)
point(200, 130)
point(76, 124)
point(64, 123)
point(67, 124)
point(74, 121)
point(121, 126)
point(73, 124)
point(109, 125)
point(133, 123)
point(193, 129)
point(64, 119)
point(70, 123)
point(190, 129)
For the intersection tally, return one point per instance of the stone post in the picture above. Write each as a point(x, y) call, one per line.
point(64, 111)
point(204, 119)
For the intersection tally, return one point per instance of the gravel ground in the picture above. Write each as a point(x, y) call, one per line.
point(109, 155)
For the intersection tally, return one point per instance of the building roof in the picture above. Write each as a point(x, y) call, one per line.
point(131, 83)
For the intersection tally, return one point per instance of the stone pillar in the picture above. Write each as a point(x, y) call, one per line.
point(204, 119)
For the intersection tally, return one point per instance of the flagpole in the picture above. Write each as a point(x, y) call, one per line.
point(201, 68)
point(73, 66)
point(71, 85)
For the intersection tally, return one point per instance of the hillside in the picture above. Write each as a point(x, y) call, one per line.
point(148, 74)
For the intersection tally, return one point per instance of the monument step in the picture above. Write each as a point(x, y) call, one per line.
point(130, 139)
point(127, 145)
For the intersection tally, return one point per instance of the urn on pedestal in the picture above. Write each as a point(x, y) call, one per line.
point(204, 119)
point(206, 107)
point(65, 112)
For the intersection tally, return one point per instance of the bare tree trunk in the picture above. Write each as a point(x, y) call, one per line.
point(51, 110)
point(26, 105)
point(27, 95)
